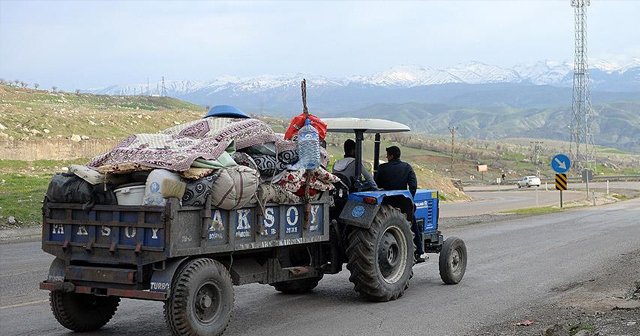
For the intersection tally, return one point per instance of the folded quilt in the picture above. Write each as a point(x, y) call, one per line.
point(176, 148)
point(294, 180)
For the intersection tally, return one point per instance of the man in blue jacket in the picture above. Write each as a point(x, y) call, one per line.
point(399, 175)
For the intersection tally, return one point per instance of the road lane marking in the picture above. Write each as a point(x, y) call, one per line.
point(24, 304)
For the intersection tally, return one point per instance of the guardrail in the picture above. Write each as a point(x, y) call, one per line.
point(610, 178)
point(551, 181)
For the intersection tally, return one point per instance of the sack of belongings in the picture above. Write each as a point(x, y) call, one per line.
point(69, 188)
point(234, 187)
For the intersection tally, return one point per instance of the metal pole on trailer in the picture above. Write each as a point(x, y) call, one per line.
point(307, 203)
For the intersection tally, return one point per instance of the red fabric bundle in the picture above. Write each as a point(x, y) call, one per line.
point(298, 121)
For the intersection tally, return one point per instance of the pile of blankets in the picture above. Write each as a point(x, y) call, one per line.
point(236, 161)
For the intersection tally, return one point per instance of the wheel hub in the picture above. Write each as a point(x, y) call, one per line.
point(207, 302)
point(455, 261)
point(391, 254)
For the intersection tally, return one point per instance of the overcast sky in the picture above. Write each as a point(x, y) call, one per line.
point(88, 44)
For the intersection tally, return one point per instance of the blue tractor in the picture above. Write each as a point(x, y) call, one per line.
point(374, 226)
point(192, 257)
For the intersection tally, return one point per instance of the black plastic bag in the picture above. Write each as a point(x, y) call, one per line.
point(69, 188)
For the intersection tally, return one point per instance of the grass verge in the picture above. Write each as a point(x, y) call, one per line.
point(21, 196)
point(534, 211)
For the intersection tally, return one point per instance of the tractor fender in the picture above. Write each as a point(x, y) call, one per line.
point(359, 214)
point(161, 279)
point(361, 207)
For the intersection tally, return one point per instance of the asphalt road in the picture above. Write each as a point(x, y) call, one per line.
point(497, 198)
point(494, 199)
point(512, 265)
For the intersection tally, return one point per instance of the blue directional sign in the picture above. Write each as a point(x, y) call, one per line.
point(560, 163)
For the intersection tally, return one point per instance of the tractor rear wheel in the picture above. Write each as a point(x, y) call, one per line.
point(299, 286)
point(381, 258)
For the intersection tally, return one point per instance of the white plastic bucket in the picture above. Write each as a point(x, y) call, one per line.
point(132, 195)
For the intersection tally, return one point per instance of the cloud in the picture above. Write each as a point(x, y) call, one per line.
point(97, 43)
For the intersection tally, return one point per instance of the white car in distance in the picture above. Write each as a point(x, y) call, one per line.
point(529, 181)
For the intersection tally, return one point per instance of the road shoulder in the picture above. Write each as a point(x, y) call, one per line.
point(20, 234)
point(607, 303)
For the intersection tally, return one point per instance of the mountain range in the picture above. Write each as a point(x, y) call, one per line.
point(433, 99)
point(605, 77)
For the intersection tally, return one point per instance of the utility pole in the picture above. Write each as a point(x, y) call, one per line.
point(537, 149)
point(164, 89)
point(453, 136)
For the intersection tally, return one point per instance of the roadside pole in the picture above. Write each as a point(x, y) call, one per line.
point(561, 184)
point(586, 183)
point(561, 164)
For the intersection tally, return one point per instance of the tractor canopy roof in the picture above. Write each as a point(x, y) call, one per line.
point(349, 125)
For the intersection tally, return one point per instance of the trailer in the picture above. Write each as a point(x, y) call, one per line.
point(192, 257)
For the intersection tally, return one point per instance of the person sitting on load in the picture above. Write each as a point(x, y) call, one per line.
point(347, 168)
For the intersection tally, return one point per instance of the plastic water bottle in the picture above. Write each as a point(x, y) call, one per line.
point(308, 146)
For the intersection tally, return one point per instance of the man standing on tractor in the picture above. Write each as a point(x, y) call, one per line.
point(398, 175)
point(347, 168)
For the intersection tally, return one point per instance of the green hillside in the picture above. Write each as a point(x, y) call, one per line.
point(37, 114)
point(615, 124)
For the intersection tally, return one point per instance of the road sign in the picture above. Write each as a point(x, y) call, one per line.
point(587, 175)
point(560, 163)
point(561, 181)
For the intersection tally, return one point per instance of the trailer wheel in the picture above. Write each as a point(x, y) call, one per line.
point(453, 260)
point(299, 286)
point(381, 258)
point(82, 312)
point(201, 301)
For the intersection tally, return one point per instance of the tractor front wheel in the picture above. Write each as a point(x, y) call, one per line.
point(453, 260)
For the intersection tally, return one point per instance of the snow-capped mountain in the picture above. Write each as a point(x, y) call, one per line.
point(541, 73)
point(480, 73)
point(412, 75)
point(544, 72)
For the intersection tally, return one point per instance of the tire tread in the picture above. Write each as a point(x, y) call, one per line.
point(362, 257)
point(65, 309)
point(175, 312)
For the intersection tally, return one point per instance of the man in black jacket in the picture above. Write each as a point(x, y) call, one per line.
point(398, 175)
point(395, 174)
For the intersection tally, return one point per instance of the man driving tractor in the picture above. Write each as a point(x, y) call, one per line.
point(398, 175)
